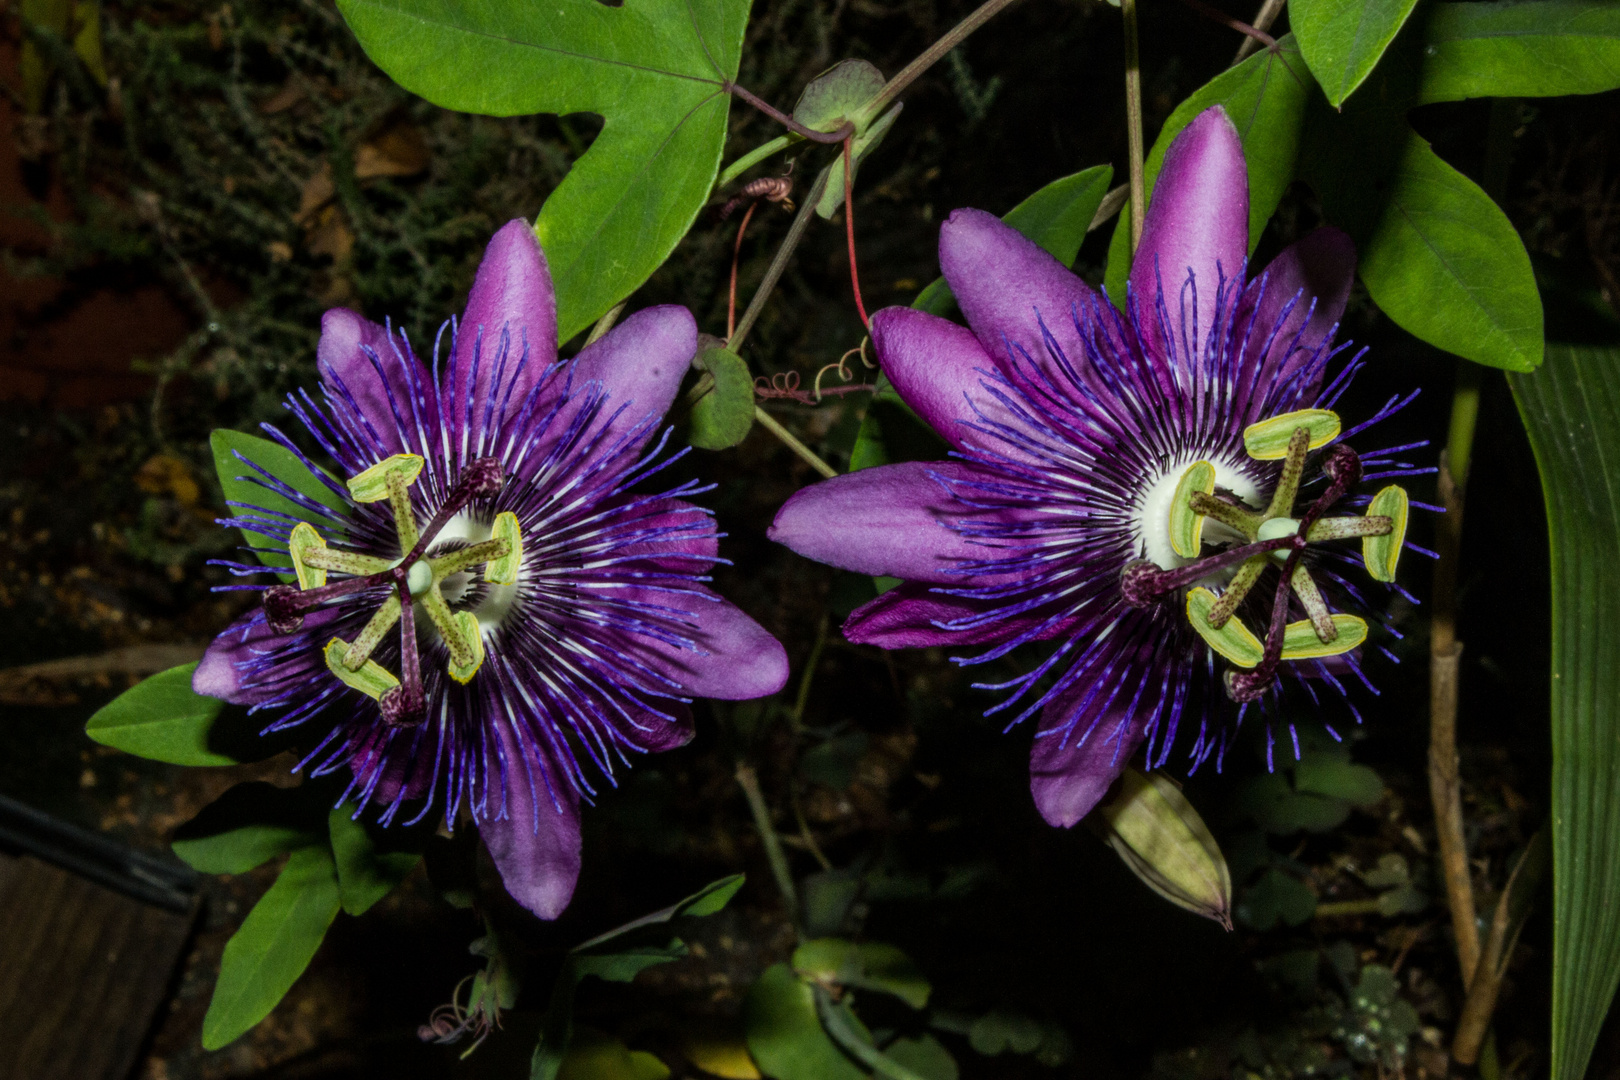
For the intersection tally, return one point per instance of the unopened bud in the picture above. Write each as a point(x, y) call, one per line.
point(1159, 835)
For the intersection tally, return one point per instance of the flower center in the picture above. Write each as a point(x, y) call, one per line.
point(1264, 538)
point(416, 579)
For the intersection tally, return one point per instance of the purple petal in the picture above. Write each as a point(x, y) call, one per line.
point(905, 617)
point(227, 667)
point(639, 364)
point(735, 658)
point(1318, 268)
point(1197, 222)
point(1008, 287)
point(654, 733)
point(511, 297)
point(893, 519)
point(935, 365)
point(349, 372)
point(684, 536)
point(1067, 780)
point(536, 845)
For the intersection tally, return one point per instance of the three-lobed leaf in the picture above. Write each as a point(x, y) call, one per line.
point(161, 718)
point(1343, 40)
point(273, 946)
point(654, 70)
point(1571, 408)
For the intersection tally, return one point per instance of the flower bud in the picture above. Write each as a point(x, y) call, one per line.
point(1159, 835)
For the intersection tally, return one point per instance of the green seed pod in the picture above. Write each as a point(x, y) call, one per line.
point(1159, 835)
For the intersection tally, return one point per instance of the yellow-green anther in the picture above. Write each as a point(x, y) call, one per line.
point(1293, 470)
point(450, 628)
point(1232, 640)
point(1311, 599)
point(467, 624)
point(1152, 827)
point(1186, 525)
point(304, 542)
point(1301, 642)
point(467, 557)
point(1381, 553)
point(1236, 590)
point(372, 679)
point(504, 570)
point(1347, 528)
point(1268, 440)
point(372, 485)
point(345, 562)
point(1242, 521)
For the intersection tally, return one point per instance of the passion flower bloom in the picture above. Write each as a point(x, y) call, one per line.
point(489, 608)
point(1135, 488)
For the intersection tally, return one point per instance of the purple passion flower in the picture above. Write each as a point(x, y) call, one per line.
point(1138, 489)
point(497, 610)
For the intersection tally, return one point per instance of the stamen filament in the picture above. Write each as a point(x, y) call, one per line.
point(1293, 470)
point(1344, 528)
point(399, 497)
point(346, 562)
point(1236, 590)
point(371, 635)
point(1316, 607)
point(469, 557)
point(1235, 517)
point(461, 650)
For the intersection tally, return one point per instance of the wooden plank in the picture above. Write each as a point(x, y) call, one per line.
point(83, 971)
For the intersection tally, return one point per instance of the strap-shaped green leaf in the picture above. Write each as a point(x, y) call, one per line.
point(248, 826)
point(1266, 97)
point(1343, 40)
point(1571, 408)
point(653, 70)
point(161, 718)
point(273, 946)
point(1514, 49)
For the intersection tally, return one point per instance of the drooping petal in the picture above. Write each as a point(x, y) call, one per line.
point(1009, 288)
point(893, 519)
point(733, 658)
point(249, 663)
point(1068, 779)
point(508, 332)
point(1197, 223)
point(536, 844)
point(1317, 269)
point(907, 617)
point(344, 358)
point(935, 365)
point(674, 533)
point(654, 733)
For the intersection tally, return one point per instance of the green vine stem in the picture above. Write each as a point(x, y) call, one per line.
point(1133, 121)
point(809, 456)
point(748, 780)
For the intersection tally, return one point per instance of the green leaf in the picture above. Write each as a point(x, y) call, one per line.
point(1342, 40)
point(243, 484)
point(273, 946)
point(367, 869)
point(1265, 96)
point(161, 718)
point(871, 965)
point(87, 39)
point(708, 900)
point(652, 69)
point(1056, 217)
point(1571, 408)
point(838, 94)
point(1320, 774)
point(723, 417)
point(924, 1056)
point(1276, 897)
point(594, 1055)
point(1000, 1030)
point(784, 1033)
point(248, 826)
point(1516, 49)
point(1278, 808)
point(832, 195)
point(1437, 255)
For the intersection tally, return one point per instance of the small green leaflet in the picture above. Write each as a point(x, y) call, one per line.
point(723, 416)
point(1515, 49)
point(273, 946)
point(1266, 97)
point(1342, 40)
point(367, 869)
point(784, 1033)
point(248, 826)
point(1571, 408)
point(163, 719)
point(871, 965)
point(654, 70)
point(242, 484)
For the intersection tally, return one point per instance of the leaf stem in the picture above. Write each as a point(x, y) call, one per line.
point(849, 229)
point(768, 422)
point(778, 266)
point(1133, 121)
point(1262, 22)
point(844, 131)
point(933, 54)
point(748, 780)
point(754, 157)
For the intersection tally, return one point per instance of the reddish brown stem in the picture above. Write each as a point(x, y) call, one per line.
point(849, 228)
point(736, 253)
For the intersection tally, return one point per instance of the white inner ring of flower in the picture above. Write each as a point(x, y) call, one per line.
point(498, 600)
point(1152, 515)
